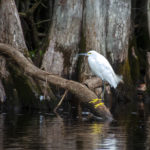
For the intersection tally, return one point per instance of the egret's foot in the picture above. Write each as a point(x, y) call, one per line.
point(100, 103)
point(95, 100)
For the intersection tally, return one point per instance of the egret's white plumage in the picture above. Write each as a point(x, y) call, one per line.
point(102, 68)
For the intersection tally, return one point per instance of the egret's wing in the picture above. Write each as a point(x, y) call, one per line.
point(102, 68)
point(106, 71)
point(104, 63)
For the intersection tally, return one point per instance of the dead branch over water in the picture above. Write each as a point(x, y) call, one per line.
point(81, 91)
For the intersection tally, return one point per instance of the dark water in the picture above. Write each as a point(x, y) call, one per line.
point(48, 132)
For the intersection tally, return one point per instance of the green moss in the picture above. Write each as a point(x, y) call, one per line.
point(125, 70)
point(26, 53)
point(81, 60)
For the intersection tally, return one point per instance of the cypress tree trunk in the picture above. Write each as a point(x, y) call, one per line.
point(64, 38)
point(17, 85)
point(10, 26)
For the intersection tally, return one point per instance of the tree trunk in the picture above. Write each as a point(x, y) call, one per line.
point(81, 91)
point(64, 37)
point(94, 32)
point(10, 26)
point(11, 33)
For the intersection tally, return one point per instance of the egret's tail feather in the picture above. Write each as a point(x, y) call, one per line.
point(116, 80)
point(119, 79)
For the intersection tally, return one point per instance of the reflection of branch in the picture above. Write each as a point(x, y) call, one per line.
point(61, 101)
point(82, 92)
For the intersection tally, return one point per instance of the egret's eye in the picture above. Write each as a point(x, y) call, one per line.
point(89, 53)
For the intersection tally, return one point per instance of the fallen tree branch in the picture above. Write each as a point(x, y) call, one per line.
point(81, 91)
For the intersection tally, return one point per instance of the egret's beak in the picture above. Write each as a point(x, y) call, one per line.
point(83, 54)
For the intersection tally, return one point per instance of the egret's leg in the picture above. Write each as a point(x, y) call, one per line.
point(103, 89)
point(100, 103)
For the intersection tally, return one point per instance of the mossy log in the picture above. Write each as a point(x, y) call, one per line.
point(81, 91)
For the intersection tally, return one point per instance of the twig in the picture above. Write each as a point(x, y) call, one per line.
point(22, 14)
point(66, 91)
point(43, 21)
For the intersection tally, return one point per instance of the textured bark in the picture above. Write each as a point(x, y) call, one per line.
point(81, 91)
point(64, 38)
point(106, 29)
point(95, 25)
point(10, 26)
point(118, 30)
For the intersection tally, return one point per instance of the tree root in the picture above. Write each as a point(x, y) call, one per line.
point(81, 91)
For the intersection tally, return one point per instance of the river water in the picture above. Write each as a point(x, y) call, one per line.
point(50, 132)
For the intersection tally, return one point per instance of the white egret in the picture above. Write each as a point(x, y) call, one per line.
point(102, 68)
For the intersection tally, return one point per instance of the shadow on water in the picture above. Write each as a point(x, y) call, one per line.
point(50, 132)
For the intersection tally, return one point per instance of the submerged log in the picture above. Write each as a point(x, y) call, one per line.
point(81, 91)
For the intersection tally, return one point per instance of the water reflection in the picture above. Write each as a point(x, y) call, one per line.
point(48, 132)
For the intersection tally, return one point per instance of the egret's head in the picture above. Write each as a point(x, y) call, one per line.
point(92, 52)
